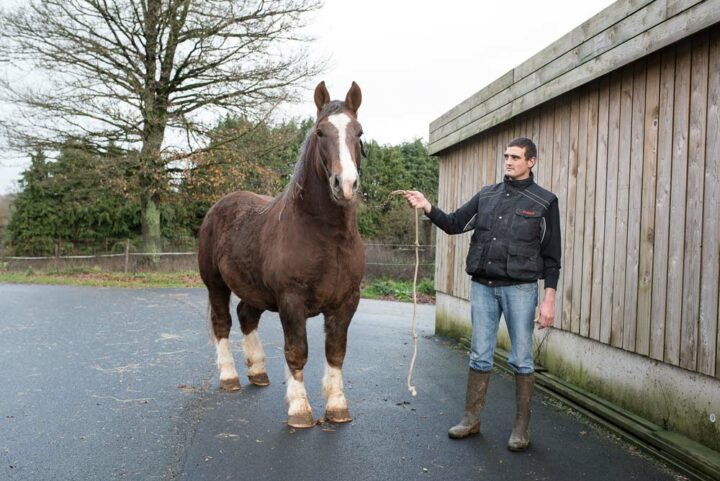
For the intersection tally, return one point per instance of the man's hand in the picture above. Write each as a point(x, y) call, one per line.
point(417, 200)
point(546, 316)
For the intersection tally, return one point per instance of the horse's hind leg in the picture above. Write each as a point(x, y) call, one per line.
point(292, 316)
point(252, 347)
point(221, 323)
point(336, 327)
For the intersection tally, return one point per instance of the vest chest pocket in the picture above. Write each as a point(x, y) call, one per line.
point(527, 225)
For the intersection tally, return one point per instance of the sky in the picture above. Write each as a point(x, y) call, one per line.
point(414, 60)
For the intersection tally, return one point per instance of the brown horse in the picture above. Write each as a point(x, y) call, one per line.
point(299, 254)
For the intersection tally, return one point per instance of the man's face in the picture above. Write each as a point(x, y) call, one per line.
point(517, 167)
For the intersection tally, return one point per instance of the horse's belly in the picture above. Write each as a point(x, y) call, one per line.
point(244, 282)
point(254, 297)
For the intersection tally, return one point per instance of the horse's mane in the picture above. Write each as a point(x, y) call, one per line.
point(308, 159)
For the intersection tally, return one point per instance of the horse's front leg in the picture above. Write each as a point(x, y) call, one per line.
point(336, 327)
point(292, 316)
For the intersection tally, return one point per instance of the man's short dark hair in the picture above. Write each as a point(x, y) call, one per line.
point(527, 144)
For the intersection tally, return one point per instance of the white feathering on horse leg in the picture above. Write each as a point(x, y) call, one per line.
point(254, 353)
point(225, 361)
point(333, 389)
point(296, 395)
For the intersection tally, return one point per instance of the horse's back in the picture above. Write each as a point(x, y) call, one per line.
point(237, 204)
point(231, 212)
point(231, 209)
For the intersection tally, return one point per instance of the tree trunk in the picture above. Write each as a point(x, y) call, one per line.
point(151, 185)
point(151, 238)
point(154, 122)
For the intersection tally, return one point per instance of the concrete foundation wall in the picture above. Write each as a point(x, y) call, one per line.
point(672, 397)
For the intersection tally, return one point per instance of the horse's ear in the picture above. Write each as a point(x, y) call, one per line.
point(322, 96)
point(353, 99)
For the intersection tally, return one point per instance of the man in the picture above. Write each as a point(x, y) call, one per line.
point(515, 242)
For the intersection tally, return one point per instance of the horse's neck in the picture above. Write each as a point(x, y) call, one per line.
point(315, 202)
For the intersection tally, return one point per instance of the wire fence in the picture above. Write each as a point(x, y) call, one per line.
point(396, 261)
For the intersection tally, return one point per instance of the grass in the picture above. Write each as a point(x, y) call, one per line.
point(97, 278)
point(399, 290)
point(387, 289)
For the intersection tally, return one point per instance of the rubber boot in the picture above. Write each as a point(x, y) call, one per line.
point(520, 437)
point(474, 401)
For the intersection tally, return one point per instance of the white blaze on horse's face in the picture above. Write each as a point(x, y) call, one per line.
point(348, 176)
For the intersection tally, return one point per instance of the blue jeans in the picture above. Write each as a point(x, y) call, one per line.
point(518, 304)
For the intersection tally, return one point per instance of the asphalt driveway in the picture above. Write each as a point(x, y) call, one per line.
point(120, 384)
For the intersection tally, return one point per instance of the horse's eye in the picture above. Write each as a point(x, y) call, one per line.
point(361, 133)
point(319, 133)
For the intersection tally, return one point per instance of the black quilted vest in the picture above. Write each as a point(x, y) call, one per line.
point(509, 227)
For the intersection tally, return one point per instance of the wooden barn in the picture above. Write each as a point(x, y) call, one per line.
point(625, 111)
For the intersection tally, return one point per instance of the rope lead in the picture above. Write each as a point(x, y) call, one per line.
point(410, 387)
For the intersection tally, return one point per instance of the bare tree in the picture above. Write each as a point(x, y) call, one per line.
point(131, 71)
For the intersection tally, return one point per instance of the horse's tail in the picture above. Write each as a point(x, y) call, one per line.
point(209, 324)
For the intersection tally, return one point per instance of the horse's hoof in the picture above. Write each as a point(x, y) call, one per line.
point(338, 416)
point(230, 385)
point(301, 421)
point(259, 379)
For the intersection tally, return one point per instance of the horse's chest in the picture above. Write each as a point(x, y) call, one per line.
point(342, 266)
point(328, 273)
point(340, 277)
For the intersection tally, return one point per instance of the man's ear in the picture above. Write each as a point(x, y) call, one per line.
point(532, 161)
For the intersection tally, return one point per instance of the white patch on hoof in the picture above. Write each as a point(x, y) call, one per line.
point(225, 361)
point(254, 353)
point(296, 396)
point(333, 389)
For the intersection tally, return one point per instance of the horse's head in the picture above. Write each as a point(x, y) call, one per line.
point(337, 133)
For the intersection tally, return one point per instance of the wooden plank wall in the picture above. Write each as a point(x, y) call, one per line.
point(633, 158)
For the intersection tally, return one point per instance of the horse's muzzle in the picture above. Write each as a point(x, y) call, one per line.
point(343, 191)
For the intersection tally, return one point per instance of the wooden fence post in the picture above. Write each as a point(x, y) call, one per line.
point(127, 254)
